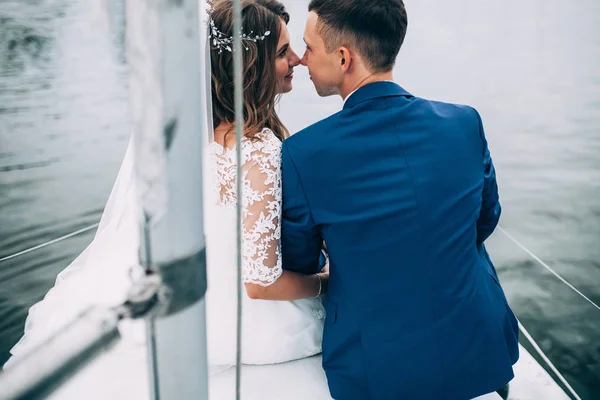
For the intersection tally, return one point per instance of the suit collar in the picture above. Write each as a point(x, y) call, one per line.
point(374, 90)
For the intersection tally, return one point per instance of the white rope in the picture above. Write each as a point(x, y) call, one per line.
point(547, 361)
point(60, 239)
point(543, 264)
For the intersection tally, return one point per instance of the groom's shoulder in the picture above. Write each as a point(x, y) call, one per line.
point(455, 108)
point(447, 113)
point(314, 133)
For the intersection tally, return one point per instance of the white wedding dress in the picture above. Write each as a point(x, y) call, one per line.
point(281, 340)
point(274, 333)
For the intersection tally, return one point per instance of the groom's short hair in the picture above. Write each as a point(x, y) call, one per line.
point(375, 28)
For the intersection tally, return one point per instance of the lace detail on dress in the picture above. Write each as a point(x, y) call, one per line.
point(261, 172)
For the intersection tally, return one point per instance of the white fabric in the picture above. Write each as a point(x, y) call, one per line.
point(100, 275)
point(261, 250)
point(273, 331)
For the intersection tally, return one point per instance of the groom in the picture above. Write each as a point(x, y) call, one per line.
point(403, 191)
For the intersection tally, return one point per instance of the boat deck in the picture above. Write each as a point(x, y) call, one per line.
point(122, 374)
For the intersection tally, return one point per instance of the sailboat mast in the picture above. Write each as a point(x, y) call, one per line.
point(163, 43)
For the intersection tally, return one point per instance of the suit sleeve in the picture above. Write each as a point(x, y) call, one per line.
point(300, 237)
point(490, 206)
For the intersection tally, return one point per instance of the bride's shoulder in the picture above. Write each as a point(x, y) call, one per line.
point(263, 143)
point(268, 136)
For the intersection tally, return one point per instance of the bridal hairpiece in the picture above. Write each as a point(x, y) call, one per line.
point(221, 42)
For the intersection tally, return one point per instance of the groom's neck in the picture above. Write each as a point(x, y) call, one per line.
point(356, 83)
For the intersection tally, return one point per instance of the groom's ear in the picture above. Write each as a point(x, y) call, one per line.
point(345, 58)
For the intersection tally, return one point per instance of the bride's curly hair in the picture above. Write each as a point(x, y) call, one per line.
point(260, 82)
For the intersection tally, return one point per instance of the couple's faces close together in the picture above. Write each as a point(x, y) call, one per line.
point(323, 67)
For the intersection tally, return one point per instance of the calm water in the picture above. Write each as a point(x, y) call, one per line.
point(532, 70)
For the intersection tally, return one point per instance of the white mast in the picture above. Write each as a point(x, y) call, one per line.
point(163, 54)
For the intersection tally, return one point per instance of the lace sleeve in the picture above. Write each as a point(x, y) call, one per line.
point(261, 248)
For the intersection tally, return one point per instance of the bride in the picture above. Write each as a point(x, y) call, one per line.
point(283, 316)
point(276, 331)
point(273, 331)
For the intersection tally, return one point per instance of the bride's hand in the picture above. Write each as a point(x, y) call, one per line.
point(326, 268)
point(326, 256)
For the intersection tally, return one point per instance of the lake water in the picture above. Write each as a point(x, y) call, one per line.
point(531, 68)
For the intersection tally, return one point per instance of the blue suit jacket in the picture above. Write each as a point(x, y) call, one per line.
point(404, 193)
